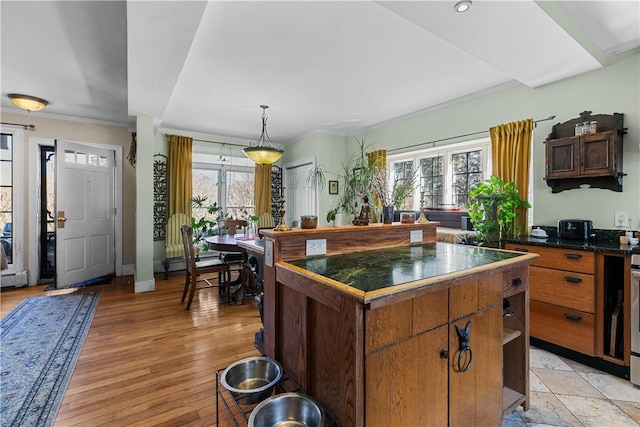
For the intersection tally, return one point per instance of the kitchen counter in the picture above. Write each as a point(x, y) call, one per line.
point(611, 246)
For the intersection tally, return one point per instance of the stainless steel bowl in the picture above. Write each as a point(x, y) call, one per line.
point(287, 410)
point(251, 380)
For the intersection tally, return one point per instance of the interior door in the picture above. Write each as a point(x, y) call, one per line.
point(85, 226)
point(300, 195)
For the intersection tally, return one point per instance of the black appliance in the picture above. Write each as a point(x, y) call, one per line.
point(575, 229)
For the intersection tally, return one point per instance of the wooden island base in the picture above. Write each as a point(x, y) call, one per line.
point(427, 351)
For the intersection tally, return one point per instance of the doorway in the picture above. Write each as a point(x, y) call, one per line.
point(38, 233)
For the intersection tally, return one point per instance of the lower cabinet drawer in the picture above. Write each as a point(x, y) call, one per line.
point(563, 288)
point(563, 326)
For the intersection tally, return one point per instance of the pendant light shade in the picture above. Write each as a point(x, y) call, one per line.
point(263, 151)
point(27, 102)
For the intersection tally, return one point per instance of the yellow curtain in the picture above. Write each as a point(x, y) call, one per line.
point(511, 157)
point(378, 158)
point(262, 189)
point(180, 184)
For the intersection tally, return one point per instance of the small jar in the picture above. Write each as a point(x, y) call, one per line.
point(593, 127)
point(586, 130)
point(308, 221)
point(578, 130)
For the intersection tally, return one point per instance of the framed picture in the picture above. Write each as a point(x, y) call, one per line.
point(333, 187)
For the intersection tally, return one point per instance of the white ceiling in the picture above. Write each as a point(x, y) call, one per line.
point(336, 67)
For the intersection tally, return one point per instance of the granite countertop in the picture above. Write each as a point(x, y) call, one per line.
point(384, 268)
point(604, 241)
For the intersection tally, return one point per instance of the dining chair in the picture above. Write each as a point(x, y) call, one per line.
point(233, 259)
point(197, 268)
point(174, 251)
point(265, 221)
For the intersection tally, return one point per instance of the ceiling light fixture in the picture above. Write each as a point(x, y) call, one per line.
point(462, 6)
point(28, 103)
point(263, 151)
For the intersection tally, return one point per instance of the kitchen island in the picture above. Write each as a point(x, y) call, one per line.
point(390, 327)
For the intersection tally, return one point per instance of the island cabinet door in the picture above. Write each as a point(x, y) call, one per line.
point(475, 369)
point(406, 382)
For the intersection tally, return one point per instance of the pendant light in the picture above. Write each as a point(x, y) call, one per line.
point(27, 102)
point(263, 151)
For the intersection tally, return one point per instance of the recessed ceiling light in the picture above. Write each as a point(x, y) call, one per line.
point(462, 6)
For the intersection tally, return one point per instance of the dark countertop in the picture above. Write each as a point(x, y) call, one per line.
point(384, 268)
point(593, 246)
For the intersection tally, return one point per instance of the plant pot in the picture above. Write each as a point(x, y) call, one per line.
point(387, 214)
point(337, 221)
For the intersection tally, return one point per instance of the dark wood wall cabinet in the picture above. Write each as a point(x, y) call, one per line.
point(594, 159)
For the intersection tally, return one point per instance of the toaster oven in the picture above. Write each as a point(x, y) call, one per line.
point(575, 229)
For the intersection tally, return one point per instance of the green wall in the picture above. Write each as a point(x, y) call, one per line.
point(614, 88)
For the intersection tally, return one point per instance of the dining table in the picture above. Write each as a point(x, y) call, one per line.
point(232, 243)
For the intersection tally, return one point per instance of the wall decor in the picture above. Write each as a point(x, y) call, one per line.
point(333, 187)
point(160, 192)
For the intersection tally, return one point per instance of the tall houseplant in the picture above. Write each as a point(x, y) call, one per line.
point(392, 196)
point(493, 207)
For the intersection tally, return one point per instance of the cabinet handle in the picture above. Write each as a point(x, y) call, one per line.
point(572, 317)
point(521, 249)
point(516, 281)
point(573, 256)
point(572, 279)
point(464, 359)
point(444, 354)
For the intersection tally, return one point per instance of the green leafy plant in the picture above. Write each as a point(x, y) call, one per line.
point(493, 207)
point(205, 224)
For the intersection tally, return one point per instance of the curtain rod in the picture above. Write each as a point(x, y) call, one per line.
point(458, 136)
point(221, 143)
point(23, 126)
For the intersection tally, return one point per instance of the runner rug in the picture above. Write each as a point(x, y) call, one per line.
point(40, 343)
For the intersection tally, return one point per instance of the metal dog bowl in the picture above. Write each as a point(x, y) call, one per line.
point(287, 410)
point(251, 380)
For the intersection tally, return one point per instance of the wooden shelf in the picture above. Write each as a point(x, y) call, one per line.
point(509, 335)
point(511, 399)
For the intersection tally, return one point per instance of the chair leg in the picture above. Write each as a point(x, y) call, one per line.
point(186, 287)
point(192, 291)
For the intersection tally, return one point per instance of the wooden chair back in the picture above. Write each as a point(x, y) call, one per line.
point(230, 226)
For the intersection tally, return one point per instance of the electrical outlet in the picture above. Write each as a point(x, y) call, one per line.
point(621, 219)
point(415, 236)
point(316, 247)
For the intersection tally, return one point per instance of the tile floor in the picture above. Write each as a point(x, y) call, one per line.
point(567, 393)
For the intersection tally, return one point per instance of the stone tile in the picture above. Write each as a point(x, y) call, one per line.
point(579, 367)
point(593, 412)
point(543, 359)
point(630, 408)
point(566, 382)
point(546, 409)
point(513, 420)
point(612, 387)
point(535, 384)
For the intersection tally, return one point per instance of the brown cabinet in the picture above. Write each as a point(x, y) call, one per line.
point(594, 159)
point(562, 291)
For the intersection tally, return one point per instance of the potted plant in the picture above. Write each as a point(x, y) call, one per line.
point(493, 206)
point(205, 224)
point(392, 196)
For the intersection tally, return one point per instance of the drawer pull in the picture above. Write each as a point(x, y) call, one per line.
point(521, 249)
point(572, 279)
point(573, 256)
point(572, 317)
point(516, 281)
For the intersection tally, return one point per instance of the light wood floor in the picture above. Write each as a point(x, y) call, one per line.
point(149, 362)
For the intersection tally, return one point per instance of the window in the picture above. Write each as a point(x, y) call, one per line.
point(224, 177)
point(6, 194)
point(401, 172)
point(445, 174)
point(11, 186)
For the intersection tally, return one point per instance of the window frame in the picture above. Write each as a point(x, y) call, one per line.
point(447, 151)
point(18, 214)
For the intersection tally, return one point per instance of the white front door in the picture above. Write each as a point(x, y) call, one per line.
point(85, 225)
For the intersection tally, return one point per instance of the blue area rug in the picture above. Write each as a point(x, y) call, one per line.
point(97, 281)
point(39, 345)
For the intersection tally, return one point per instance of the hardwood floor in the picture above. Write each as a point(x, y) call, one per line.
point(149, 362)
